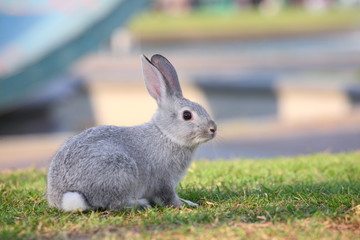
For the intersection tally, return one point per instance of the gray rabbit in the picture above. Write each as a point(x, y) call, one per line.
point(112, 167)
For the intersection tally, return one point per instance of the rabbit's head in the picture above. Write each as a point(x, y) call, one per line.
point(184, 122)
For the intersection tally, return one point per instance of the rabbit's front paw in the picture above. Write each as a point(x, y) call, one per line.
point(190, 203)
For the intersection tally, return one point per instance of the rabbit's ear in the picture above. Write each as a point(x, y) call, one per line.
point(168, 71)
point(154, 80)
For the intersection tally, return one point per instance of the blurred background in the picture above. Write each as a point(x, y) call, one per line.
point(281, 77)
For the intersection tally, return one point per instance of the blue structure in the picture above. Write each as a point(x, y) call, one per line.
point(40, 38)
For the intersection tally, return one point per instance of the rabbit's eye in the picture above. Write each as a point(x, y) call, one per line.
point(187, 115)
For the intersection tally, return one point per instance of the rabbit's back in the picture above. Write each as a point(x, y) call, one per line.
point(91, 147)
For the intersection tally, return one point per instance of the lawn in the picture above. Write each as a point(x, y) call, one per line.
point(307, 197)
point(160, 27)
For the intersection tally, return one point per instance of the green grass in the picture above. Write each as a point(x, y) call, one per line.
point(310, 197)
point(152, 26)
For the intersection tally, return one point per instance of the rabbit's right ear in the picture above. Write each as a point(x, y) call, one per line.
point(154, 80)
point(169, 72)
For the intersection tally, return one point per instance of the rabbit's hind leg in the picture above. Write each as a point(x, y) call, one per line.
point(112, 182)
point(138, 204)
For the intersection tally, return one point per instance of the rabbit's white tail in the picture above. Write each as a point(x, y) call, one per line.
point(73, 201)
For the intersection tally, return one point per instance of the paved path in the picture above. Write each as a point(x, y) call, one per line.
point(333, 141)
point(37, 150)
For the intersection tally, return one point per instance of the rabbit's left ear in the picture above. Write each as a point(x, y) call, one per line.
point(168, 71)
point(154, 81)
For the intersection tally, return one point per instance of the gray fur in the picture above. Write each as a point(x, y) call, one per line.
point(112, 167)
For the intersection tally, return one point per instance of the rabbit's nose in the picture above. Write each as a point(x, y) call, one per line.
point(213, 127)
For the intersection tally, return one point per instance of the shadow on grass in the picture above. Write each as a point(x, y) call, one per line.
point(277, 202)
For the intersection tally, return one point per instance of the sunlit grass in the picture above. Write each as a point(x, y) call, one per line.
point(304, 197)
point(160, 26)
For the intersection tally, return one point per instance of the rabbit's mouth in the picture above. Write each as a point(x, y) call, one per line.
point(202, 138)
point(212, 135)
